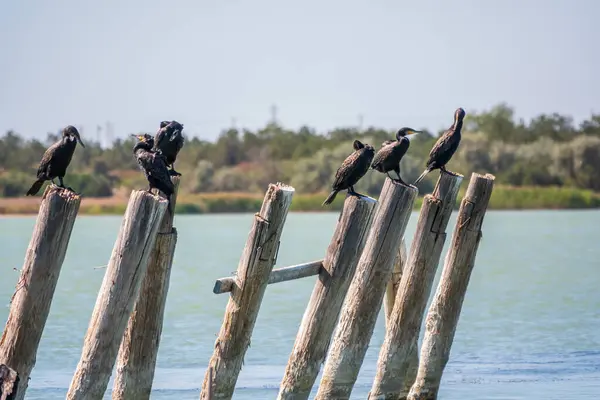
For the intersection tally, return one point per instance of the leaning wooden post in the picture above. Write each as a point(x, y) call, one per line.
point(321, 315)
point(120, 287)
point(31, 302)
point(445, 308)
point(392, 287)
point(365, 296)
point(253, 273)
point(136, 361)
point(394, 376)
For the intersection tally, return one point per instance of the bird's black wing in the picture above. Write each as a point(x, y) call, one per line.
point(346, 170)
point(161, 174)
point(179, 140)
point(159, 137)
point(46, 160)
point(443, 145)
point(383, 154)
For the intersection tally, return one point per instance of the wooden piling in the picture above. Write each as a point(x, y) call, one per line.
point(365, 296)
point(446, 305)
point(321, 315)
point(394, 376)
point(392, 287)
point(30, 305)
point(116, 298)
point(390, 298)
point(253, 273)
point(136, 361)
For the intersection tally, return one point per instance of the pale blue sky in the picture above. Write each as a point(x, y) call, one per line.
point(323, 63)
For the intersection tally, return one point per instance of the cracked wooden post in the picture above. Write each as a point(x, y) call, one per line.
point(367, 289)
point(390, 298)
point(392, 287)
point(136, 361)
point(30, 305)
point(397, 366)
point(254, 269)
point(9, 382)
point(117, 295)
point(321, 315)
point(445, 308)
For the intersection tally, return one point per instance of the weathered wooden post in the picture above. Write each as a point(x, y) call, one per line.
point(253, 273)
point(120, 287)
point(445, 308)
point(136, 361)
point(365, 296)
point(394, 376)
point(390, 298)
point(31, 302)
point(392, 287)
point(9, 382)
point(321, 315)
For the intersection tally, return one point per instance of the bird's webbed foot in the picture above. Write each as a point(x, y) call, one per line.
point(400, 181)
point(172, 172)
point(443, 169)
point(353, 192)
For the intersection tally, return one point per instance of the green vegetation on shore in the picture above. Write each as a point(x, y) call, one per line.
point(503, 198)
point(547, 162)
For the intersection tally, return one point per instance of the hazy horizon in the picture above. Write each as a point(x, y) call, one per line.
point(323, 64)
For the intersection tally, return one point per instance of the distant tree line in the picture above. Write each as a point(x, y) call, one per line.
point(548, 150)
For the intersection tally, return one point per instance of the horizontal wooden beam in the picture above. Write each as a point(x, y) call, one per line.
point(224, 285)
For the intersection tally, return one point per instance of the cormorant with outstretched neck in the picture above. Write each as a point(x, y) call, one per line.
point(389, 156)
point(154, 166)
point(445, 147)
point(56, 160)
point(169, 140)
point(354, 167)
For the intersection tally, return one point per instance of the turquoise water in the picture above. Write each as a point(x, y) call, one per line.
point(529, 327)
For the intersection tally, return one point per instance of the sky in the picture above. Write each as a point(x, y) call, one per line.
point(213, 63)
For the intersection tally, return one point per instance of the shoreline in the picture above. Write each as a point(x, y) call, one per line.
point(503, 198)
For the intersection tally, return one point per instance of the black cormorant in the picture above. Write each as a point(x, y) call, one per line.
point(445, 147)
point(354, 167)
point(389, 156)
point(56, 160)
point(154, 165)
point(169, 140)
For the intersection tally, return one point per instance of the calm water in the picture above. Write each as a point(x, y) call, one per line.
point(529, 327)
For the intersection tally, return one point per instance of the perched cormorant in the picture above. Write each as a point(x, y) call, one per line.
point(168, 141)
point(388, 157)
point(154, 165)
point(56, 159)
point(354, 167)
point(445, 147)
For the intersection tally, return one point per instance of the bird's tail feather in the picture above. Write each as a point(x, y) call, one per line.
point(330, 198)
point(422, 176)
point(37, 185)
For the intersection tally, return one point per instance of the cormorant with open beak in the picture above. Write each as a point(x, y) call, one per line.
point(445, 147)
point(154, 166)
point(169, 141)
point(354, 167)
point(389, 156)
point(56, 159)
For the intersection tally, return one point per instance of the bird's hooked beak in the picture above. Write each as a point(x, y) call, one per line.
point(140, 138)
point(412, 132)
point(78, 139)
